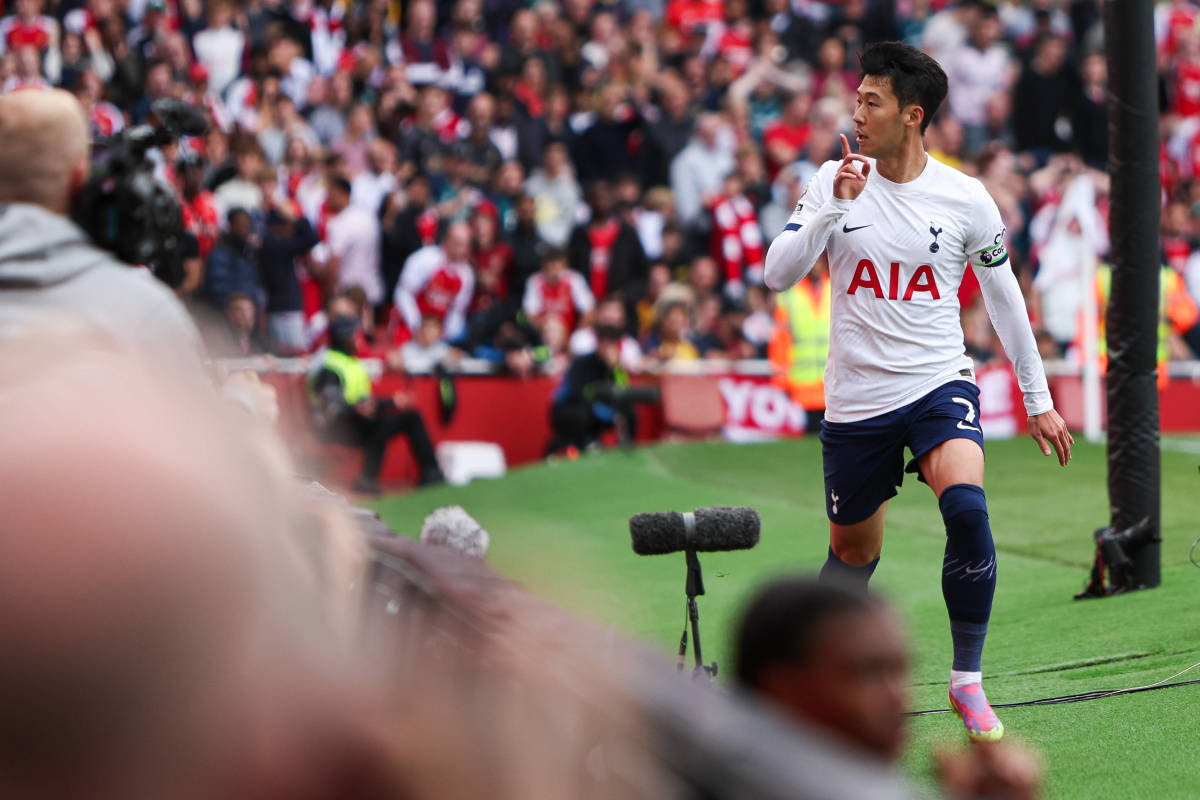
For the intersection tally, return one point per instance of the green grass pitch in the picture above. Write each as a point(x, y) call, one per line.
point(561, 530)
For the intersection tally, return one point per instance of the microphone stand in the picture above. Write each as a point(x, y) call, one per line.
point(693, 587)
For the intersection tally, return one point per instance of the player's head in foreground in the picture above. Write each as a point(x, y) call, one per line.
point(831, 657)
point(900, 90)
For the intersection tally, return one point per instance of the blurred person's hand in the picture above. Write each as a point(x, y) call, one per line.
point(404, 399)
point(1004, 770)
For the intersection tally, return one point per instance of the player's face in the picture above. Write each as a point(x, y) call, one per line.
point(878, 122)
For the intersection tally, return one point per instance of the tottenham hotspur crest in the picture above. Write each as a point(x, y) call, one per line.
point(934, 246)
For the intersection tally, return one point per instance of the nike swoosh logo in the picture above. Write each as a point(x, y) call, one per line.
point(846, 229)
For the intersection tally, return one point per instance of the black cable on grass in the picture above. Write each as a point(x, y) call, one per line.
point(1078, 697)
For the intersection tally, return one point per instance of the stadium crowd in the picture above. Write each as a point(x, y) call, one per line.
point(504, 175)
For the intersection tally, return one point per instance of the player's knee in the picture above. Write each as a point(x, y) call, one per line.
point(964, 510)
point(855, 554)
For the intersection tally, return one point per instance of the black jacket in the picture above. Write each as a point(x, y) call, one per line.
point(627, 265)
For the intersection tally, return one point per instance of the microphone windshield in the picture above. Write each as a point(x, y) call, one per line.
point(717, 528)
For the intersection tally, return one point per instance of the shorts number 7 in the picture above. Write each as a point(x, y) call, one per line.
point(970, 416)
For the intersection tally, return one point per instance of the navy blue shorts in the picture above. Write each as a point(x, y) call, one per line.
point(864, 460)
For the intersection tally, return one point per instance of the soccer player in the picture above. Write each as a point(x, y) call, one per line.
point(899, 228)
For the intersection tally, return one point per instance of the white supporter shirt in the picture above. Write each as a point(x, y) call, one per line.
point(353, 237)
point(220, 51)
point(897, 255)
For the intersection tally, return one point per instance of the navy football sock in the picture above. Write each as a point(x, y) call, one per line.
point(968, 571)
point(837, 571)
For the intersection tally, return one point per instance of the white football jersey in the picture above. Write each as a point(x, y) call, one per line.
point(897, 255)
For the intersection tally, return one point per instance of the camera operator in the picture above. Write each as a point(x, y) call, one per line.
point(48, 267)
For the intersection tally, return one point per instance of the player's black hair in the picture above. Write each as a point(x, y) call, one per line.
point(914, 77)
point(782, 623)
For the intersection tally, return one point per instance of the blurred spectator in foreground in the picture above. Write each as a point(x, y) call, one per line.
point(345, 411)
point(827, 656)
point(218, 588)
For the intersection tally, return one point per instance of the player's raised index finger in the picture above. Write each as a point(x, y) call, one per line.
point(845, 145)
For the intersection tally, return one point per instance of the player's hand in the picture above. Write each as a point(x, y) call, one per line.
point(1049, 430)
point(848, 183)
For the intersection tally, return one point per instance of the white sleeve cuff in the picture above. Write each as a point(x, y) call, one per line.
point(1038, 402)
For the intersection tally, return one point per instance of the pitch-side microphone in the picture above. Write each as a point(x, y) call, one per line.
point(702, 530)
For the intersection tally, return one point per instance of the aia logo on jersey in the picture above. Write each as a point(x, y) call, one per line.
point(922, 280)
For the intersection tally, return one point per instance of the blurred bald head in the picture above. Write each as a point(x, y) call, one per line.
point(44, 148)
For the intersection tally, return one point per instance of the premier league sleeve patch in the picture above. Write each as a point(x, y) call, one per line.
point(994, 254)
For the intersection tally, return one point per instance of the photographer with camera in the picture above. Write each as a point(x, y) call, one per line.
point(49, 268)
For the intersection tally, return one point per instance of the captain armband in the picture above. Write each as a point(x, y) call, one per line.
point(993, 255)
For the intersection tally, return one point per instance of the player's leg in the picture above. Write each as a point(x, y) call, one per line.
point(954, 469)
point(854, 550)
point(864, 465)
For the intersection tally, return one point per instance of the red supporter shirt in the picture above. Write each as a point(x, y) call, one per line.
point(36, 32)
point(687, 15)
point(795, 136)
point(738, 49)
point(737, 238)
point(437, 296)
point(602, 238)
point(200, 219)
point(557, 302)
point(1187, 88)
point(492, 268)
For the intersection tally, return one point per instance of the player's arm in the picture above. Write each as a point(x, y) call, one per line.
point(824, 204)
point(1006, 307)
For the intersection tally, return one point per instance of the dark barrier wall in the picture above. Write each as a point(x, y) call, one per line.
point(1133, 437)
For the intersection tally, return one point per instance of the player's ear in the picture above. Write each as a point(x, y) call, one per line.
point(914, 115)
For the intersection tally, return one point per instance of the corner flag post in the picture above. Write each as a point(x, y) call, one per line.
point(1134, 467)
